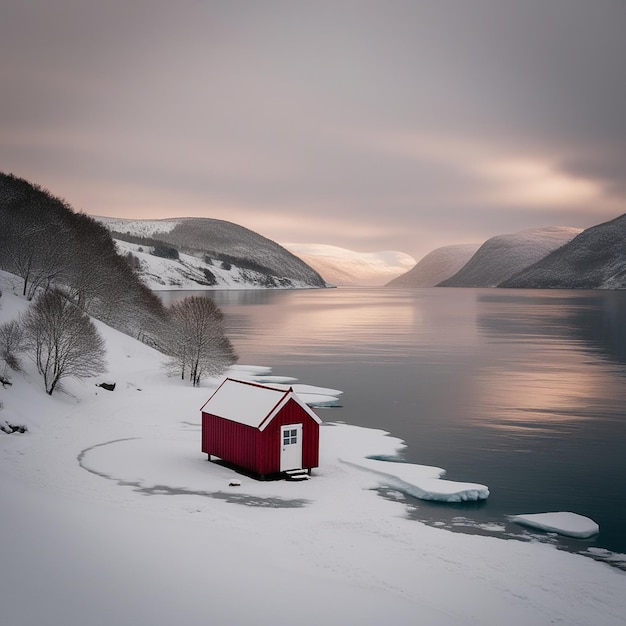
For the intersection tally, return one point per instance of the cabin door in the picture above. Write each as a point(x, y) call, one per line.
point(291, 447)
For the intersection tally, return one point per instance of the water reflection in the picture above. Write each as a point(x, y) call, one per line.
point(527, 401)
point(549, 357)
point(602, 324)
point(227, 297)
point(596, 320)
point(352, 324)
point(523, 391)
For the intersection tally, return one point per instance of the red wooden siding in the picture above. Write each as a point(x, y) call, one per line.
point(256, 450)
point(233, 442)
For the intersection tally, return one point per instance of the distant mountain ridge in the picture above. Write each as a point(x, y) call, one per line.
point(595, 259)
point(503, 256)
point(343, 267)
point(247, 258)
point(436, 266)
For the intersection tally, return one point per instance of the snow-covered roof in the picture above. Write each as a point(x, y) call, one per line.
point(250, 403)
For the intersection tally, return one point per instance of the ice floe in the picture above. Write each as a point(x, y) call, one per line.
point(273, 380)
point(421, 481)
point(561, 522)
point(250, 370)
point(316, 397)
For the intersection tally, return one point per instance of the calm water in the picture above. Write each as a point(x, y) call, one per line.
point(524, 391)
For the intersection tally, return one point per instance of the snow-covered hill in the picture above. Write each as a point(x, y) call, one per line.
point(235, 256)
point(191, 272)
point(595, 259)
point(503, 256)
point(110, 514)
point(436, 266)
point(343, 267)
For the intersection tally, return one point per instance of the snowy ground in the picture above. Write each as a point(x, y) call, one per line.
point(110, 514)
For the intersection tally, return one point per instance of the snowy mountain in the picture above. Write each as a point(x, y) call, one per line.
point(595, 259)
point(503, 256)
point(208, 253)
point(436, 266)
point(343, 267)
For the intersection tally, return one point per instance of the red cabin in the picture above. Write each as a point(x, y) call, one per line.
point(259, 428)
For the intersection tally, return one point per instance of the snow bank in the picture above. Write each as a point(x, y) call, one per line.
point(563, 523)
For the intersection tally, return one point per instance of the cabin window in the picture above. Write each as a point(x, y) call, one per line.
point(290, 436)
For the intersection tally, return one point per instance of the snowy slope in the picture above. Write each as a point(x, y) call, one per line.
point(436, 266)
point(343, 267)
point(247, 250)
point(505, 255)
point(188, 272)
point(595, 259)
point(111, 515)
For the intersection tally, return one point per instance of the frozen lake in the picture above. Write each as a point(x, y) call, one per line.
point(523, 391)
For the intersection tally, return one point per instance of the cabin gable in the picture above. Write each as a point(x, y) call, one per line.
point(291, 413)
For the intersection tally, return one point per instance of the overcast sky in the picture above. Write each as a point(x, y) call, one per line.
point(390, 125)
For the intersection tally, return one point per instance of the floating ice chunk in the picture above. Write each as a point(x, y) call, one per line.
point(319, 397)
point(562, 522)
point(602, 554)
point(253, 370)
point(302, 389)
point(271, 380)
point(319, 400)
point(443, 490)
point(448, 490)
point(422, 481)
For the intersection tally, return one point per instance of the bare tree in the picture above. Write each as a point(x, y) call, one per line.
point(33, 249)
point(11, 335)
point(197, 342)
point(62, 340)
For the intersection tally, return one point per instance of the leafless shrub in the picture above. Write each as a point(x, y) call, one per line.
point(196, 341)
point(11, 343)
point(62, 340)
